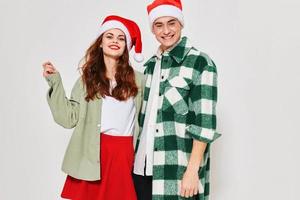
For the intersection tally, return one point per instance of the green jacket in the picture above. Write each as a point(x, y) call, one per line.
point(188, 96)
point(82, 157)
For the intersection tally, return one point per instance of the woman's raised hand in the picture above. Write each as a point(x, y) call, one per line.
point(48, 69)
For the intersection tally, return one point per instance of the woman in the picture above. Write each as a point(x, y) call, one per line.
point(103, 108)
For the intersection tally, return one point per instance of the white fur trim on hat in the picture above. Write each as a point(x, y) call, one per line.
point(116, 24)
point(166, 10)
point(138, 57)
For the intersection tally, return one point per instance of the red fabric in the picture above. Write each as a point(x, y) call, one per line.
point(156, 3)
point(116, 182)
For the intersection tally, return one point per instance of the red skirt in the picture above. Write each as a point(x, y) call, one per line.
point(116, 182)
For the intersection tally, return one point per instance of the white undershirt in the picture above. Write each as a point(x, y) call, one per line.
point(146, 145)
point(117, 117)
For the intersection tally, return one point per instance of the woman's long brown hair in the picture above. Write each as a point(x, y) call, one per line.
point(94, 75)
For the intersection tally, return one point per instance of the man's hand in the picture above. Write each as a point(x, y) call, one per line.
point(190, 180)
point(189, 183)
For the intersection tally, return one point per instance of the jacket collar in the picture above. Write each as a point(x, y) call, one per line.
point(179, 52)
point(152, 59)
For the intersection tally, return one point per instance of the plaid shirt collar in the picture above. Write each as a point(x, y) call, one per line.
point(178, 53)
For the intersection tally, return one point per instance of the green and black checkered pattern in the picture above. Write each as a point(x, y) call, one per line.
point(187, 103)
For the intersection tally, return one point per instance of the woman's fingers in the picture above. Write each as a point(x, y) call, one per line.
point(48, 69)
point(48, 63)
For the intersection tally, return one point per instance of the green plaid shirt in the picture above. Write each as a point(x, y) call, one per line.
point(188, 95)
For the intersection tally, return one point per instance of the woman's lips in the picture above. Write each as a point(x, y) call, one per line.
point(114, 47)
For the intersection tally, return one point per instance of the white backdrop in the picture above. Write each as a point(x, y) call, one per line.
point(255, 45)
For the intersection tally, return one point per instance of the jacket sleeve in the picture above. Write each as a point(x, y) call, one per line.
point(202, 106)
point(64, 111)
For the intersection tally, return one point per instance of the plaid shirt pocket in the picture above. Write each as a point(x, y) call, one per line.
point(175, 95)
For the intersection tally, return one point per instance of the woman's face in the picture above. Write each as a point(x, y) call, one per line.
point(113, 43)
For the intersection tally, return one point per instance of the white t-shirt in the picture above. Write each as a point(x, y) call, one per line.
point(117, 117)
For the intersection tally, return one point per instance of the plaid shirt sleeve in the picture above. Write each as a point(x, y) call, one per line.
point(202, 105)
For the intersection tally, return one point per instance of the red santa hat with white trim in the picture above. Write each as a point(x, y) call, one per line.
point(131, 30)
point(162, 8)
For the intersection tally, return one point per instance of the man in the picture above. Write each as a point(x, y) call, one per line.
point(178, 116)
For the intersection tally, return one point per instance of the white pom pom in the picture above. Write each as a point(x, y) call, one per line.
point(138, 57)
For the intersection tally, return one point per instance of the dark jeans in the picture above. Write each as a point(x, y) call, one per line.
point(143, 186)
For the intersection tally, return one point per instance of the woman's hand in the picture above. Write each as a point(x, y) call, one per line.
point(48, 69)
point(189, 183)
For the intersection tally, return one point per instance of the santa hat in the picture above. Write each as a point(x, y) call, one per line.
point(162, 8)
point(131, 31)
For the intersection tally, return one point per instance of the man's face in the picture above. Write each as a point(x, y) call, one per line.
point(167, 31)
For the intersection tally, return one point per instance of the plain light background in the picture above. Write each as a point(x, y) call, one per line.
point(255, 45)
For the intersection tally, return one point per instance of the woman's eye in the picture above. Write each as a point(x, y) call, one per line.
point(122, 39)
point(109, 37)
